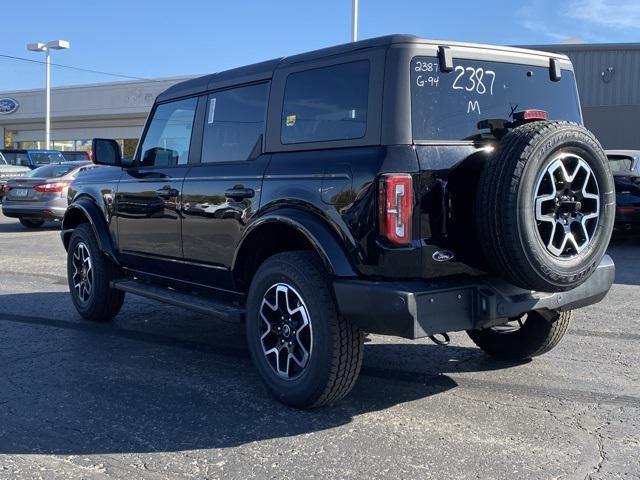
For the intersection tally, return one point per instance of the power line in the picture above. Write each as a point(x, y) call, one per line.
point(87, 70)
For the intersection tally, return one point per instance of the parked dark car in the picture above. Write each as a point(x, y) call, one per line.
point(41, 194)
point(396, 186)
point(625, 166)
point(32, 158)
point(76, 156)
point(8, 172)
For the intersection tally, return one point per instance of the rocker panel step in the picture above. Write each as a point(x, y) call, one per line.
point(208, 306)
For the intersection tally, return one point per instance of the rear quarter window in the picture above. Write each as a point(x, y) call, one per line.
point(327, 103)
point(448, 106)
point(620, 163)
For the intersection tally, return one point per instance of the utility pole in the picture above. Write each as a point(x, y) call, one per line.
point(354, 21)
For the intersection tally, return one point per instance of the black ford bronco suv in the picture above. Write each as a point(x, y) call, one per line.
point(396, 186)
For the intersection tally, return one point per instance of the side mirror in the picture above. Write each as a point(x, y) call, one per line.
point(106, 152)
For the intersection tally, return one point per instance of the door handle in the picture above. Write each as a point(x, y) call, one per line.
point(239, 193)
point(167, 192)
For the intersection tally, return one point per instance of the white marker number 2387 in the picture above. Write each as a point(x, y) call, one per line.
point(477, 80)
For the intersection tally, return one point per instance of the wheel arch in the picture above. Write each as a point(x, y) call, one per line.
point(85, 210)
point(285, 230)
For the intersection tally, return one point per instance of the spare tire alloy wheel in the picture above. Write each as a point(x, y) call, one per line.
point(567, 205)
point(545, 206)
point(82, 278)
point(286, 331)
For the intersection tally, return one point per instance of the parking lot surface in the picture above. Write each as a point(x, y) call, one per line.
point(166, 393)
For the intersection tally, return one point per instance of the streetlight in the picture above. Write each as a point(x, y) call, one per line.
point(46, 48)
point(354, 20)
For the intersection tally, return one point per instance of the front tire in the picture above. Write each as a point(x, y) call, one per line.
point(31, 222)
point(89, 273)
point(306, 354)
point(526, 337)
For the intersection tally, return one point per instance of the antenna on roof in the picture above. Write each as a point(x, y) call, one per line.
point(354, 21)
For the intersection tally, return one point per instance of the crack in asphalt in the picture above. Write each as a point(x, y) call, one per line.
point(392, 374)
point(602, 456)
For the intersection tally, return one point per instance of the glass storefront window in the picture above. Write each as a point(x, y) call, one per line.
point(63, 145)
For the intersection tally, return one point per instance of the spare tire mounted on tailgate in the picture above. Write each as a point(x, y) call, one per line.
point(545, 206)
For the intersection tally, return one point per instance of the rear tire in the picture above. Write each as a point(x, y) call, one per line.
point(291, 292)
point(536, 336)
point(89, 273)
point(31, 222)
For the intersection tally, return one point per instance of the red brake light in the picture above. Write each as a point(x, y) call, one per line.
point(396, 207)
point(56, 187)
point(529, 115)
point(626, 210)
point(6, 188)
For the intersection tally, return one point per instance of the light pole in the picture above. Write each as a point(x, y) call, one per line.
point(46, 48)
point(354, 20)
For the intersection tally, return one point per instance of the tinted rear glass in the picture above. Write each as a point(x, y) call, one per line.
point(448, 106)
point(45, 158)
point(620, 163)
point(328, 103)
point(51, 171)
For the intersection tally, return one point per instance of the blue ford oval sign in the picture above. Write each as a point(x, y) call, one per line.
point(8, 106)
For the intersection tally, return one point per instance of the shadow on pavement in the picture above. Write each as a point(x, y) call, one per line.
point(9, 226)
point(74, 387)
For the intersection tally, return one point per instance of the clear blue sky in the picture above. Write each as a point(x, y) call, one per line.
point(165, 38)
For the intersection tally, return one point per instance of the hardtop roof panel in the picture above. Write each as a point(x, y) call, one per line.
point(264, 70)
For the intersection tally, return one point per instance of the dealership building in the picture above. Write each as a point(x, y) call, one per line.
point(79, 113)
point(608, 77)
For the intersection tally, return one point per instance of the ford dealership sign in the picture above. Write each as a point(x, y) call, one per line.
point(8, 105)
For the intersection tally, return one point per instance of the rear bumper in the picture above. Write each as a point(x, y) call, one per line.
point(34, 211)
point(415, 309)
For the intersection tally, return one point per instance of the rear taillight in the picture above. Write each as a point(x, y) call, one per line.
point(6, 189)
point(55, 187)
point(396, 207)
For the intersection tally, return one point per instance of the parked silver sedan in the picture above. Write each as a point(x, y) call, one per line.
point(41, 194)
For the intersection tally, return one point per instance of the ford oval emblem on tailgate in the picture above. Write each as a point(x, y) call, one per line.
point(443, 255)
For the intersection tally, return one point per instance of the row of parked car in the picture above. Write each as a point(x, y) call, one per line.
point(18, 163)
point(33, 183)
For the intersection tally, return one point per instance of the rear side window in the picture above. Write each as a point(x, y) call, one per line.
point(169, 134)
point(324, 104)
point(448, 106)
point(20, 159)
point(619, 163)
point(234, 123)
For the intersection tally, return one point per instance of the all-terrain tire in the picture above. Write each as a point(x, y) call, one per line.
point(505, 207)
point(537, 335)
point(336, 345)
point(31, 222)
point(102, 303)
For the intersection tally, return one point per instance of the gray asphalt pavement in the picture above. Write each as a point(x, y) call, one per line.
point(164, 393)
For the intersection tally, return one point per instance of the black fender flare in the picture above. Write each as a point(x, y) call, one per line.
point(95, 217)
point(316, 230)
